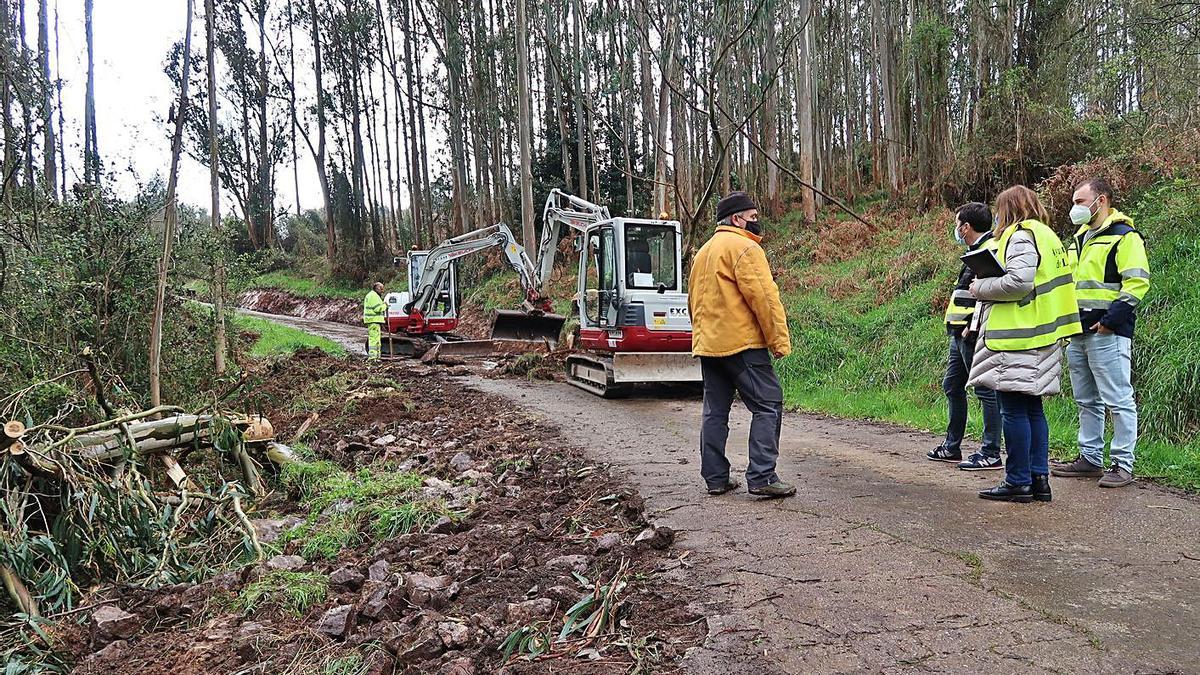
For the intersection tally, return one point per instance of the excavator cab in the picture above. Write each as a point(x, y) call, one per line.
point(633, 313)
point(441, 315)
point(631, 295)
point(445, 304)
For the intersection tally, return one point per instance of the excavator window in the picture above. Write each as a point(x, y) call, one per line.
point(650, 257)
point(601, 278)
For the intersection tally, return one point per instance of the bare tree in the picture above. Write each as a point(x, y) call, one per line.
point(91, 150)
point(170, 219)
point(523, 130)
point(214, 183)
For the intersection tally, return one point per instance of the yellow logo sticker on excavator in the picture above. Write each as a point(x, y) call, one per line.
point(660, 321)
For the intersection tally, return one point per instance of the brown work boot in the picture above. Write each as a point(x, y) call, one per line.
point(1116, 477)
point(1080, 468)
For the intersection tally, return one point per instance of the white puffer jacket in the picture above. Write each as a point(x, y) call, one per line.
point(1033, 371)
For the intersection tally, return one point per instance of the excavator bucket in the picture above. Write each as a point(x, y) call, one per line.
point(510, 324)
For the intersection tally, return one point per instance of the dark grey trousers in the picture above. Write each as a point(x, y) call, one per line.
point(751, 375)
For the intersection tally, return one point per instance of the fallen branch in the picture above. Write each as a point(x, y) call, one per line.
point(18, 592)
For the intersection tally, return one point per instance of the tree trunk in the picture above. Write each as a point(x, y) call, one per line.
point(10, 133)
point(770, 115)
point(292, 99)
point(808, 198)
point(887, 80)
point(680, 152)
point(58, 86)
point(454, 68)
point(664, 119)
point(330, 232)
point(214, 183)
point(576, 80)
point(523, 131)
point(170, 218)
point(91, 153)
point(266, 196)
point(49, 145)
point(416, 200)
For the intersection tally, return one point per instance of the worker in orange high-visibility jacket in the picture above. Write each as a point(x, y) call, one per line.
point(374, 315)
point(738, 324)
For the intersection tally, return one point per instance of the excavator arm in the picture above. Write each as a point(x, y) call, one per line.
point(535, 322)
point(562, 209)
point(437, 265)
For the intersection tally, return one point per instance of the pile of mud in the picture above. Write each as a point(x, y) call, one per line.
point(538, 529)
point(274, 301)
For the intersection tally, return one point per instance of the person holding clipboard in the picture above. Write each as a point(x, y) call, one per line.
point(973, 229)
point(1026, 313)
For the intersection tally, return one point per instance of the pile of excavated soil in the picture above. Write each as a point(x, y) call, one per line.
point(274, 301)
point(539, 518)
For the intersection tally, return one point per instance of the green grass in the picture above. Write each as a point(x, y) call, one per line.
point(352, 664)
point(275, 338)
point(372, 501)
point(868, 339)
point(290, 592)
point(309, 288)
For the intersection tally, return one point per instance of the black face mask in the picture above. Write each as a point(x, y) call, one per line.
point(754, 227)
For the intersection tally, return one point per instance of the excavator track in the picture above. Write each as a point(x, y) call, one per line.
point(594, 374)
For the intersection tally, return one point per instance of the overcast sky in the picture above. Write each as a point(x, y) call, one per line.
point(133, 96)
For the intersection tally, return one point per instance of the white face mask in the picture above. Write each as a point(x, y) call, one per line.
point(1082, 215)
point(958, 236)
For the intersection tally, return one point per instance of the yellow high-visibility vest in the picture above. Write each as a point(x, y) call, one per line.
point(1110, 265)
point(1049, 312)
point(374, 309)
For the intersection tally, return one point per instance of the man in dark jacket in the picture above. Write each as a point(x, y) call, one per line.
point(973, 229)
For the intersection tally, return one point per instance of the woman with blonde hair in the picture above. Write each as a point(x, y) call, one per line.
point(1026, 313)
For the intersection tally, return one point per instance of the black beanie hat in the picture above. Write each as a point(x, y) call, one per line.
point(734, 202)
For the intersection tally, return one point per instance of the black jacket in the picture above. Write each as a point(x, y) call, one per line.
point(965, 277)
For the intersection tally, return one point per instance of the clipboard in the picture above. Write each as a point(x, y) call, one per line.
point(984, 263)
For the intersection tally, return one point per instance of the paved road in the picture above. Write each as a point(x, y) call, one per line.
point(886, 562)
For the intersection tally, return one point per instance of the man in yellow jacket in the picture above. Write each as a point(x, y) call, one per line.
point(374, 315)
point(738, 324)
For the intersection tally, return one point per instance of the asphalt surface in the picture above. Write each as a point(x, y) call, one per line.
point(887, 562)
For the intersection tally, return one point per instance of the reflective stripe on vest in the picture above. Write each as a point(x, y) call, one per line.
point(1049, 313)
point(961, 307)
point(374, 309)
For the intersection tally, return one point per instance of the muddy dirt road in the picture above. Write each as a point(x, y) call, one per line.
point(886, 562)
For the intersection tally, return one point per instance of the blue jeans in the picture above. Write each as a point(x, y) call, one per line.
point(958, 368)
point(1100, 377)
point(1027, 437)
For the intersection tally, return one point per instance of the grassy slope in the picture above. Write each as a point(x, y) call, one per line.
point(275, 338)
point(865, 311)
point(307, 287)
